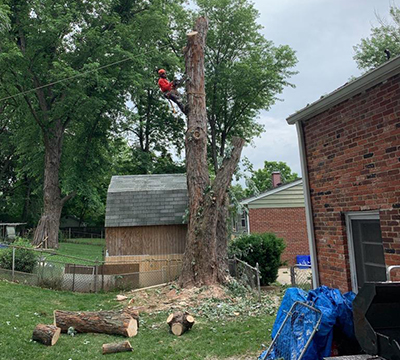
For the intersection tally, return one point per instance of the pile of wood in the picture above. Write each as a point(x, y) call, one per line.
point(118, 322)
point(121, 322)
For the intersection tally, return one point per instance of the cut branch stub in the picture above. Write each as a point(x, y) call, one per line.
point(107, 322)
point(46, 334)
point(117, 347)
point(180, 322)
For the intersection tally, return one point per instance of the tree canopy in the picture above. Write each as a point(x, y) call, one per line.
point(370, 52)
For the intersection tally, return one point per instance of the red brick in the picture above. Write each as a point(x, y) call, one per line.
point(369, 130)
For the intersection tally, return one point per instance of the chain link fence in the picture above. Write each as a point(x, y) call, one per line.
point(245, 274)
point(301, 276)
point(63, 272)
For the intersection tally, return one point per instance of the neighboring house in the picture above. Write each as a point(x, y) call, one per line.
point(350, 152)
point(280, 211)
point(144, 222)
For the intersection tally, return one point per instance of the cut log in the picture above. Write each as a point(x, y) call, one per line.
point(46, 334)
point(132, 312)
point(106, 322)
point(117, 347)
point(180, 322)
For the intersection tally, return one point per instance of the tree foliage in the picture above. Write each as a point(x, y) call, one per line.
point(262, 178)
point(244, 72)
point(265, 249)
point(370, 52)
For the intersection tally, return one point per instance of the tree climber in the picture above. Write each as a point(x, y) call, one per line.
point(169, 89)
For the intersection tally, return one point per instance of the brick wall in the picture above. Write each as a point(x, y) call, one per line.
point(287, 223)
point(353, 157)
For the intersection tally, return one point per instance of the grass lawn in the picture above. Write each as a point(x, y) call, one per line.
point(90, 252)
point(24, 307)
point(94, 241)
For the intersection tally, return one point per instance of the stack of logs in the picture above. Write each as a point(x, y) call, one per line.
point(122, 322)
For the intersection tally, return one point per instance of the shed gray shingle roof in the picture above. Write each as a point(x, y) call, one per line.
point(139, 200)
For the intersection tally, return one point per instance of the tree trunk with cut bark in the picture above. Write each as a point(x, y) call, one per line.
point(106, 322)
point(113, 348)
point(207, 201)
point(180, 322)
point(46, 334)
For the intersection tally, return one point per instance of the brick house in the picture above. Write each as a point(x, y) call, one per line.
point(350, 152)
point(281, 211)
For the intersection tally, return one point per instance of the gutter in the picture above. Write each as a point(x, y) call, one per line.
point(308, 208)
point(353, 88)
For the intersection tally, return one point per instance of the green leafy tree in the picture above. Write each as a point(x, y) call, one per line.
point(48, 42)
point(262, 178)
point(370, 53)
point(244, 72)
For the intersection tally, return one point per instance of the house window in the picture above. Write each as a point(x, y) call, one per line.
point(367, 259)
point(243, 219)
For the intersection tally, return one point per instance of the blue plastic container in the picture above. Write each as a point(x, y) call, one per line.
point(304, 261)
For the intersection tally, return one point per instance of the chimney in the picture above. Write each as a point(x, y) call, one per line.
point(276, 179)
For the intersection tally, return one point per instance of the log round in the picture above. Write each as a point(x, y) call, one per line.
point(117, 347)
point(180, 322)
point(46, 334)
point(106, 322)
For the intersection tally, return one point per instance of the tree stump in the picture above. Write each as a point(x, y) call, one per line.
point(117, 347)
point(180, 322)
point(106, 322)
point(46, 334)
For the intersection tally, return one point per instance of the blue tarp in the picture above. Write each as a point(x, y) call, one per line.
point(336, 311)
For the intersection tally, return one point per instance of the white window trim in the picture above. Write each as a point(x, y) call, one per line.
point(356, 215)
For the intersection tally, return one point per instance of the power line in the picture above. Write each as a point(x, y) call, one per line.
point(79, 75)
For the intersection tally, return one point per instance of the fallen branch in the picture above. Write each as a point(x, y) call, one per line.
point(106, 322)
point(46, 334)
point(117, 347)
point(180, 322)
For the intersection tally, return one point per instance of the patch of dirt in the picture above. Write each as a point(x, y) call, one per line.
point(210, 301)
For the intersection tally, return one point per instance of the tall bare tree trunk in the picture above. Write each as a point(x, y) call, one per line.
point(49, 223)
point(202, 265)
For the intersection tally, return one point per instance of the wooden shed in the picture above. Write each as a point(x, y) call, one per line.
point(145, 223)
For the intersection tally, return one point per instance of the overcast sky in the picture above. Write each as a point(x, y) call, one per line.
point(323, 33)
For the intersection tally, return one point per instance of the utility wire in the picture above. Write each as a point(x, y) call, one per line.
point(80, 74)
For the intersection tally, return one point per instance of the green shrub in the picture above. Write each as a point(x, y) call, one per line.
point(266, 249)
point(25, 260)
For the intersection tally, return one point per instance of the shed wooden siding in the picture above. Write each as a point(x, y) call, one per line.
point(146, 240)
point(292, 197)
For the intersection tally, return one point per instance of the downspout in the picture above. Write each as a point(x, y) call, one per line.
point(248, 220)
point(307, 199)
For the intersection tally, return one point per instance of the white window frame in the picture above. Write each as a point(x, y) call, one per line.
point(356, 215)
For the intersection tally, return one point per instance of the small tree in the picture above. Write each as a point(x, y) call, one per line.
point(265, 249)
point(25, 259)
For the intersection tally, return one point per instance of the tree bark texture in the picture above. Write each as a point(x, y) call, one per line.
point(46, 334)
point(180, 322)
point(49, 222)
point(201, 264)
point(117, 347)
point(106, 322)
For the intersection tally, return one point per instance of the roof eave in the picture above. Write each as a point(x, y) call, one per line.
point(361, 84)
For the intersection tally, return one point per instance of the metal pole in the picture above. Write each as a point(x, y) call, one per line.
point(258, 282)
point(13, 264)
point(95, 277)
point(292, 276)
point(73, 278)
point(69, 233)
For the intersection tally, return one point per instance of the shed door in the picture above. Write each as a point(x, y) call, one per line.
point(368, 255)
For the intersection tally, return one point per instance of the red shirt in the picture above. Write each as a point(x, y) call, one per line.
point(165, 85)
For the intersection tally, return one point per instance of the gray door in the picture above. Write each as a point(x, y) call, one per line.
point(368, 251)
